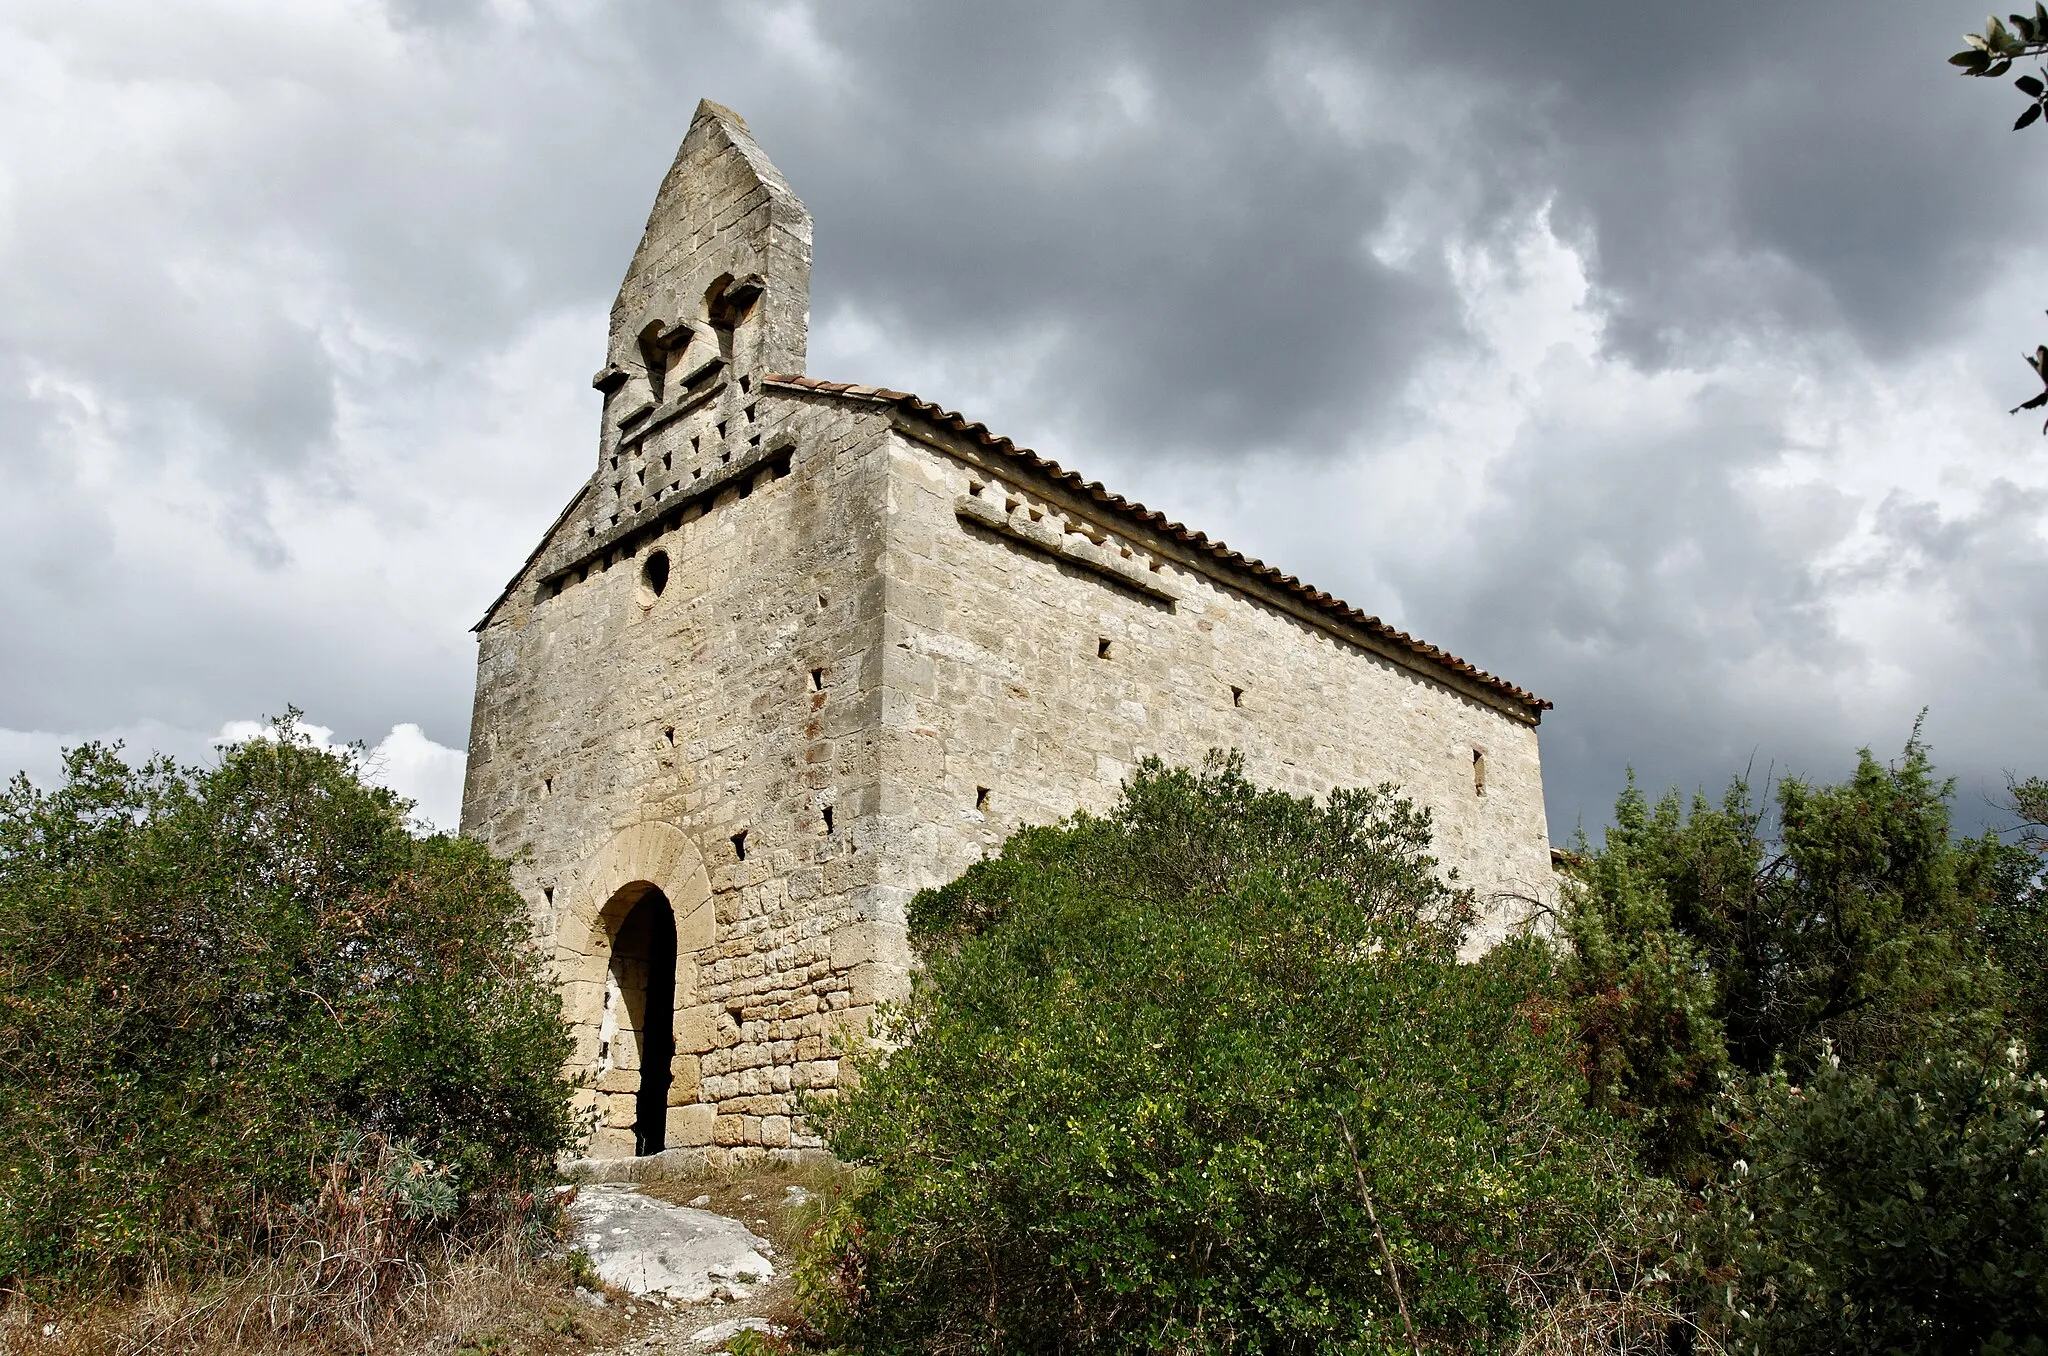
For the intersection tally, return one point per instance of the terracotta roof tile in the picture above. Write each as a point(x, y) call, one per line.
point(1160, 523)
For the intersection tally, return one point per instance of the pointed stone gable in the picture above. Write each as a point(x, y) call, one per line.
point(720, 285)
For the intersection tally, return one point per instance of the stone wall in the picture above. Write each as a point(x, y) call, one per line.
point(622, 740)
point(1022, 680)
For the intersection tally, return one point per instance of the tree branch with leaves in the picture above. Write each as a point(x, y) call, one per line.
point(1990, 55)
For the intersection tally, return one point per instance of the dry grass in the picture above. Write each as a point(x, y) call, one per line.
point(476, 1300)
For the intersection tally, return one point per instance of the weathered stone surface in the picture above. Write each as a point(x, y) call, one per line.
point(649, 1247)
point(872, 648)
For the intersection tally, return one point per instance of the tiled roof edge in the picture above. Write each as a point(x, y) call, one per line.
point(1158, 522)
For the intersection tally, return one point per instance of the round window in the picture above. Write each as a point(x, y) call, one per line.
point(653, 577)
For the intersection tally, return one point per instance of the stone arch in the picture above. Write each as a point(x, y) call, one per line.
point(635, 864)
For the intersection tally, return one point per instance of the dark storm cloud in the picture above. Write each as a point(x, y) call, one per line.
point(253, 262)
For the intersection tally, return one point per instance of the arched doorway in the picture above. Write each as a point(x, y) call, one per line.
point(648, 860)
point(636, 1059)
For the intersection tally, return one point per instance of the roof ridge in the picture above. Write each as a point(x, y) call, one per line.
point(1320, 599)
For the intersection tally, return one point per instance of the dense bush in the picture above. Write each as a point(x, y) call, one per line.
point(212, 981)
point(1820, 1021)
point(1905, 1211)
point(1116, 1114)
point(1713, 940)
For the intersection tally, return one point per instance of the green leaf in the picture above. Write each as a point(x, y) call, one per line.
point(2000, 69)
point(2033, 112)
point(2029, 86)
point(1977, 41)
point(1973, 63)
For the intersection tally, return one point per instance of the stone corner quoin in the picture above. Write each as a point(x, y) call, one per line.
point(797, 650)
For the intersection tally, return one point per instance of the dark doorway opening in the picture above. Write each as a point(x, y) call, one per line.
point(644, 967)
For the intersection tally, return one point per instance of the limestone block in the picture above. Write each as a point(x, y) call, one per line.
point(684, 1080)
point(775, 1132)
point(871, 942)
point(610, 1143)
point(878, 983)
point(691, 1127)
point(697, 1029)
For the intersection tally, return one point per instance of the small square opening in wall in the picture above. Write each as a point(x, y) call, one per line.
point(981, 798)
point(1103, 648)
point(739, 845)
point(1237, 696)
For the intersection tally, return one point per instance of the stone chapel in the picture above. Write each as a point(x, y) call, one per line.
point(796, 650)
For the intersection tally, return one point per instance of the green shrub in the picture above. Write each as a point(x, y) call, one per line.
point(1898, 1212)
point(213, 982)
point(1114, 1117)
point(1709, 941)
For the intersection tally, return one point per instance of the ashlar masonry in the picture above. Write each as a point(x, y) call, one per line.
point(796, 650)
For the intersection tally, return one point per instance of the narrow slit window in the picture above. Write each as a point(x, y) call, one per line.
point(669, 733)
point(1102, 647)
point(739, 845)
point(817, 680)
point(827, 815)
point(981, 798)
point(1478, 772)
point(547, 892)
point(547, 786)
point(1237, 696)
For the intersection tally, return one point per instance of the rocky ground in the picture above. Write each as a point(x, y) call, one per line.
point(695, 1262)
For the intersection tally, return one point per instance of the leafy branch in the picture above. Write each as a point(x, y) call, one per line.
point(1990, 55)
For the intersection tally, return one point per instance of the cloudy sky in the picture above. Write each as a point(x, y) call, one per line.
point(1655, 356)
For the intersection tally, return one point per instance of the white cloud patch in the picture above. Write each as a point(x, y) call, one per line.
point(405, 760)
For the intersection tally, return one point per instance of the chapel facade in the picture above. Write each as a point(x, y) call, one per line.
point(796, 650)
